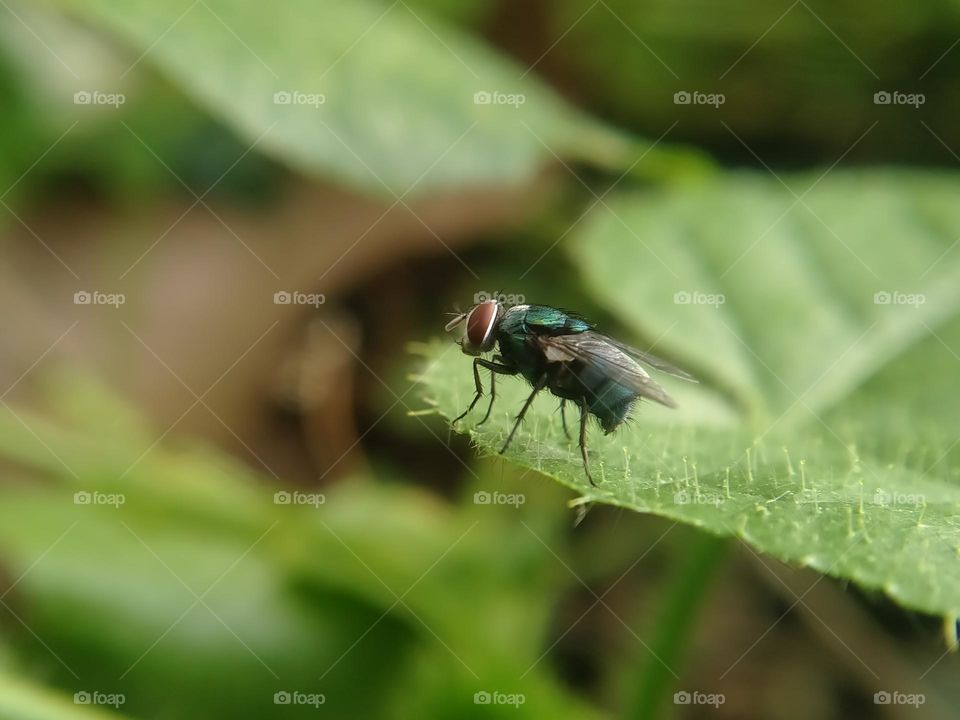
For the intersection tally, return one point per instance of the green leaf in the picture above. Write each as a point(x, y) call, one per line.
point(20, 700)
point(290, 590)
point(818, 327)
point(381, 97)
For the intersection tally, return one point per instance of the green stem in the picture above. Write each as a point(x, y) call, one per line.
point(676, 618)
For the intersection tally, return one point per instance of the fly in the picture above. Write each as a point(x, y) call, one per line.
point(559, 351)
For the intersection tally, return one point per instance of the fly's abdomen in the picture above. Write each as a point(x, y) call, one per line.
point(607, 400)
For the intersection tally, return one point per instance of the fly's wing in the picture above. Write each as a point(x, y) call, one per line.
point(651, 360)
point(597, 351)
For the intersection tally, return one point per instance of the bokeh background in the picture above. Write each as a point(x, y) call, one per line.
point(223, 494)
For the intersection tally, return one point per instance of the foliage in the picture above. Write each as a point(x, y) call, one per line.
point(821, 431)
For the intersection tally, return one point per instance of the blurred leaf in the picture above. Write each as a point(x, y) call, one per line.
point(816, 65)
point(793, 312)
point(380, 98)
point(365, 593)
point(53, 143)
point(128, 600)
point(770, 291)
point(22, 701)
point(461, 12)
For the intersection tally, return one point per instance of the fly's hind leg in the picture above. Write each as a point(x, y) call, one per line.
point(563, 419)
point(583, 439)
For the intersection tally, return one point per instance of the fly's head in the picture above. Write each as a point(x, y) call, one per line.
point(480, 327)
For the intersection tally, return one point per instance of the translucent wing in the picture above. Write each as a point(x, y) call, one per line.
point(651, 360)
point(598, 351)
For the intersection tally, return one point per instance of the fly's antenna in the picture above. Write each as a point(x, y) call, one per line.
point(458, 318)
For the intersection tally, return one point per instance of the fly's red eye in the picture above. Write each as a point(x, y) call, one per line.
point(480, 324)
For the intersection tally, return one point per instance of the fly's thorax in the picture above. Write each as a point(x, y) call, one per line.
point(512, 320)
point(515, 344)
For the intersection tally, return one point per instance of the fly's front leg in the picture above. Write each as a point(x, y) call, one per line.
point(495, 368)
point(479, 387)
point(493, 395)
point(501, 368)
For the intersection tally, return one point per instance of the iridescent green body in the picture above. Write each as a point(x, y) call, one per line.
point(607, 400)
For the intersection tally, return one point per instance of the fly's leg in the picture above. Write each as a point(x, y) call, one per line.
point(476, 380)
point(541, 383)
point(504, 369)
point(563, 418)
point(493, 396)
point(583, 439)
point(493, 367)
